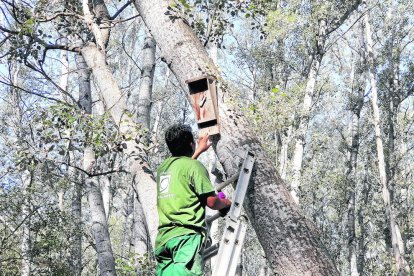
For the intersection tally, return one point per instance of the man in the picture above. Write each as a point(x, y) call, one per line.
point(184, 189)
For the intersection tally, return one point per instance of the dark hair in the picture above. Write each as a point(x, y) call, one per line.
point(179, 138)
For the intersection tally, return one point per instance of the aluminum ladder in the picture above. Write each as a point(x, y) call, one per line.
point(230, 246)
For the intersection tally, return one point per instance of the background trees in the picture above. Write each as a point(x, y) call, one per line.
point(273, 57)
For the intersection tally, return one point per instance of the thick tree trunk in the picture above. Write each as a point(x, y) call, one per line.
point(290, 241)
point(400, 262)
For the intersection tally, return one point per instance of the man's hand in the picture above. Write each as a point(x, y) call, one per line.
point(202, 145)
point(223, 212)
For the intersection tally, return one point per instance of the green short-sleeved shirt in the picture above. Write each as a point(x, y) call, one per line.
point(180, 183)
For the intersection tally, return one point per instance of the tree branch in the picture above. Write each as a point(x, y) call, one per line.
point(34, 93)
point(120, 10)
point(336, 24)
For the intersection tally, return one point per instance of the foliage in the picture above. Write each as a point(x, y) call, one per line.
point(266, 50)
point(146, 265)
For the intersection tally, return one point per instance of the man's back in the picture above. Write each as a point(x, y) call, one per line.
point(181, 183)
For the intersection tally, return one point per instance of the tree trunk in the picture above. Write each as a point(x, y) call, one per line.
point(127, 232)
point(105, 184)
point(361, 222)
point(400, 262)
point(351, 173)
point(290, 241)
point(302, 125)
point(105, 163)
point(356, 102)
point(26, 254)
point(26, 180)
point(283, 157)
point(142, 243)
point(143, 116)
point(304, 114)
point(116, 103)
point(63, 84)
point(143, 113)
point(99, 223)
point(76, 244)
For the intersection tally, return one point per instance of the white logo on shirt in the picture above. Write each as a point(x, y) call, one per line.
point(164, 183)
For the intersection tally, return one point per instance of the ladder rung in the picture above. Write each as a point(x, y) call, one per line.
point(229, 181)
point(212, 218)
point(211, 251)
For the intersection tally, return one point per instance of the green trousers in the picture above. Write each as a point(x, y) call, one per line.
point(180, 256)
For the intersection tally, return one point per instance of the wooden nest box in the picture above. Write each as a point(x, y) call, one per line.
point(203, 97)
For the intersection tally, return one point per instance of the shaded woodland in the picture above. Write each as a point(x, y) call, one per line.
point(320, 91)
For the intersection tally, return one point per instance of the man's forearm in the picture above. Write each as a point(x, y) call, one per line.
point(216, 203)
point(196, 154)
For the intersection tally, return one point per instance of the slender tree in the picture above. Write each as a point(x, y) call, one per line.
point(402, 267)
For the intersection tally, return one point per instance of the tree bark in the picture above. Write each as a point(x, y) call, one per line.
point(352, 169)
point(100, 230)
point(26, 254)
point(143, 116)
point(143, 112)
point(283, 157)
point(290, 241)
point(142, 243)
point(63, 84)
point(302, 125)
point(26, 180)
point(361, 222)
point(76, 244)
point(303, 118)
point(105, 184)
point(400, 262)
point(115, 102)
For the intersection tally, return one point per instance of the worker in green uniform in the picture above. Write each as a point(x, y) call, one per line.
point(184, 190)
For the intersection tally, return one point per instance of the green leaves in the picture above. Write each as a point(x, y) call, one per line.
point(281, 23)
point(63, 128)
point(126, 266)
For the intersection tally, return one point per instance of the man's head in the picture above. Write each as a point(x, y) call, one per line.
point(180, 140)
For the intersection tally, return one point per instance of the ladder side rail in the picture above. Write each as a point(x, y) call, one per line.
point(238, 246)
point(226, 248)
point(242, 184)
